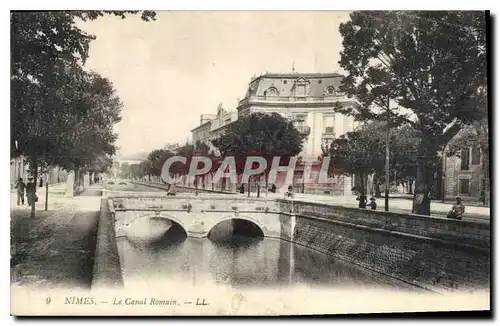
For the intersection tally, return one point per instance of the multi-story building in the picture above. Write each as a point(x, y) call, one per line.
point(212, 125)
point(465, 175)
point(307, 99)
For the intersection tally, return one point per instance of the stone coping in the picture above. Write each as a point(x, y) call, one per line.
point(484, 226)
point(107, 270)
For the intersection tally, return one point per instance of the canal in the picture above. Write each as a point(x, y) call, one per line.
point(240, 262)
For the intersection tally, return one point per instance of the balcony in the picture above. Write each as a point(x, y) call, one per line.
point(304, 130)
point(328, 135)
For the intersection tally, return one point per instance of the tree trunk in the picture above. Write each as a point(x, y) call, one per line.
point(267, 182)
point(47, 192)
point(34, 168)
point(376, 184)
point(485, 167)
point(362, 203)
point(410, 187)
point(424, 180)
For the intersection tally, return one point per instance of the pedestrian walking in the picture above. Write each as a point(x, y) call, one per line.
point(31, 191)
point(20, 186)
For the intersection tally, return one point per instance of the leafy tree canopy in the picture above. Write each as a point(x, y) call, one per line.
point(260, 134)
point(423, 68)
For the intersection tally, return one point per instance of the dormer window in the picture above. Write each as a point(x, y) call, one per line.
point(272, 91)
point(301, 87)
point(330, 91)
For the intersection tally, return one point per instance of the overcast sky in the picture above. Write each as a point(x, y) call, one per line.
point(184, 64)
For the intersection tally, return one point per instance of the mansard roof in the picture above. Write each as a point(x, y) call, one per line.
point(318, 83)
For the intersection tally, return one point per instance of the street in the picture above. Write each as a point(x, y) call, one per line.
point(56, 248)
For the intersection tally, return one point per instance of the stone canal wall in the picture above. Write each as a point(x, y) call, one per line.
point(423, 251)
point(433, 253)
point(466, 232)
point(107, 271)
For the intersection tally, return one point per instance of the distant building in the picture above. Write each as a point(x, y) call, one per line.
point(20, 169)
point(464, 175)
point(212, 125)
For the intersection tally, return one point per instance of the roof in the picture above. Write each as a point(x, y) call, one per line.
point(284, 84)
point(297, 75)
point(202, 125)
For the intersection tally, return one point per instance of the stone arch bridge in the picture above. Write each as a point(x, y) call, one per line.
point(197, 215)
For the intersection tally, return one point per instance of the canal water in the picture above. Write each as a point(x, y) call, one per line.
point(241, 262)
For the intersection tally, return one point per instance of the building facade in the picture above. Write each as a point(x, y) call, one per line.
point(308, 100)
point(212, 125)
point(465, 175)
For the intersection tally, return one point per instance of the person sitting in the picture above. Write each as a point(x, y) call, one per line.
point(289, 193)
point(457, 210)
point(273, 188)
point(242, 189)
point(373, 203)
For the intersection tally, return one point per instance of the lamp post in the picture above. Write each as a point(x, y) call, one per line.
point(387, 154)
point(46, 189)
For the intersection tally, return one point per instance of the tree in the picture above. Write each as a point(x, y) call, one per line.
point(359, 152)
point(362, 152)
point(101, 164)
point(50, 92)
point(260, 134)
point(404, 152)
point(157, 158)
point(145, 168)
point(423, 68)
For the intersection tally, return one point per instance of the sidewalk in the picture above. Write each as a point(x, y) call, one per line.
point(56, 248)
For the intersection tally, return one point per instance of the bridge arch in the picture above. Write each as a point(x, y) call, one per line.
point(252, 220)
point(162, 216)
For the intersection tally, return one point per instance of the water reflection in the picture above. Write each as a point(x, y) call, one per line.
point(240, 262)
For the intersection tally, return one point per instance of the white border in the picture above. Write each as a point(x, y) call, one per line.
point(180, 5)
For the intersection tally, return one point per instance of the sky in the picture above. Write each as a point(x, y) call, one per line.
point(170, 71)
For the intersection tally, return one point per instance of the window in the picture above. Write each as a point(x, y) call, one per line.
point(285, 81)
point(476, 156)
point(464, 186)
point(328, 130)
point(272, 91)
point(320, 81)
point(464, 158)
point(301, 90)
